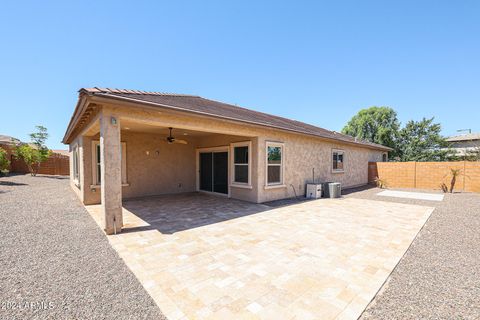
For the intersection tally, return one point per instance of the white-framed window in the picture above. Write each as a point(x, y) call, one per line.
point(76, 165)
point(385, 157)
point(241, 163)
point(96, 163)
point(275, 154)
point(338, 160)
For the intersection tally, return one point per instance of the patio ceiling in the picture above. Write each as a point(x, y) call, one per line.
point(133, 126)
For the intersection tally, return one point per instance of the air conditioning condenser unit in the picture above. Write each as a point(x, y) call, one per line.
point(314, 191)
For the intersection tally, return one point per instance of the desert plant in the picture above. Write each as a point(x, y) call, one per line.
point(444, 187)
point(4, 162)
point(381, 183)
point(455, 173)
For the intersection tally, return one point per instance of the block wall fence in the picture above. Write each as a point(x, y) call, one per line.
point(426, 175)
point(56, 164)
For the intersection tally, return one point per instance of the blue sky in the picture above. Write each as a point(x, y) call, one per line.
point(318, 62)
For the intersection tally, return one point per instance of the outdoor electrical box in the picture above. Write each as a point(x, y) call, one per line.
point(314, 191)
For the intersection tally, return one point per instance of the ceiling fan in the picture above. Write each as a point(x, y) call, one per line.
point(170, 139)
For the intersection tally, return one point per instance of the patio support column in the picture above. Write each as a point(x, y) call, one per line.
point(111, 171)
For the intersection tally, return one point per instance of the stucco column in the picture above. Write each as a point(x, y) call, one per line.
point(111, 167)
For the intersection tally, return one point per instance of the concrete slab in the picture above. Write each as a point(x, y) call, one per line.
point(412, 195)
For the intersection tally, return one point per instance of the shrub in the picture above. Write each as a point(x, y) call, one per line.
point(382, 184)
point(36, 153)
point(444, 187)
point(32, 157)
point(4, 162)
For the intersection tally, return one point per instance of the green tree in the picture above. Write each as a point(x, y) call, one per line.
point(375, 124)
point(4, 162)
point(422, 141)
point(39, 139)
point(36, 153)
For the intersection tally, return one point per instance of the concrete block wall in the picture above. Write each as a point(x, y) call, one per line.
point(426, 175)
point(472, 176)
point(400, 175)
point(56, 164)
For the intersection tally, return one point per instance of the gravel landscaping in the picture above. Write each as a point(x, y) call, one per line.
point(55, 263)
point(439, 276)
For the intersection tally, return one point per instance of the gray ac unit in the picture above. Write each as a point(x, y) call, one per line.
point(332, 190)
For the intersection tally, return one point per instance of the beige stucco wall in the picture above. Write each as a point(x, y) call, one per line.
point(301, 155)
point(81, 187)
point(376, 156)
point(83, 190)
point(174, 168)
point(167, 168)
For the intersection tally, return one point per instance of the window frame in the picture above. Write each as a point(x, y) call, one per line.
point(234, 183)
point(338, 152)
point(281, 183)
point(95, 178)
point(76, 164)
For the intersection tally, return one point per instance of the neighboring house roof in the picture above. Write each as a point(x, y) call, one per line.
point(199, 105)
point(62, 152)
point(464, 137)
point(4, 139)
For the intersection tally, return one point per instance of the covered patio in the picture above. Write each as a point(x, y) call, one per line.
point(133, 156)
point(170, 214)
point(204, 257)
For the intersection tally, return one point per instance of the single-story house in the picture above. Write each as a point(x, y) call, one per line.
point(464, 144)
point(130, 143)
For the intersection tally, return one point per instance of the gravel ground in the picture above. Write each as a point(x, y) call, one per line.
point(55, 263)
point(439, 276)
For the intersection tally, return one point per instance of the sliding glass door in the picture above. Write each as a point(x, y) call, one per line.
point(214, 172)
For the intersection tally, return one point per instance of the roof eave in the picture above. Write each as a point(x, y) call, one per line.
point(79, 108)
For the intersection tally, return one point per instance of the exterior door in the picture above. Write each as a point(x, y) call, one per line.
point(214, 172)
point(206, 180)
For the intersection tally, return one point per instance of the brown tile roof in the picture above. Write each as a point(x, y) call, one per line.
point(197, 104)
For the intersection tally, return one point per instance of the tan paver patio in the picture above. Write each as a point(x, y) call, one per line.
point(205, 257)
